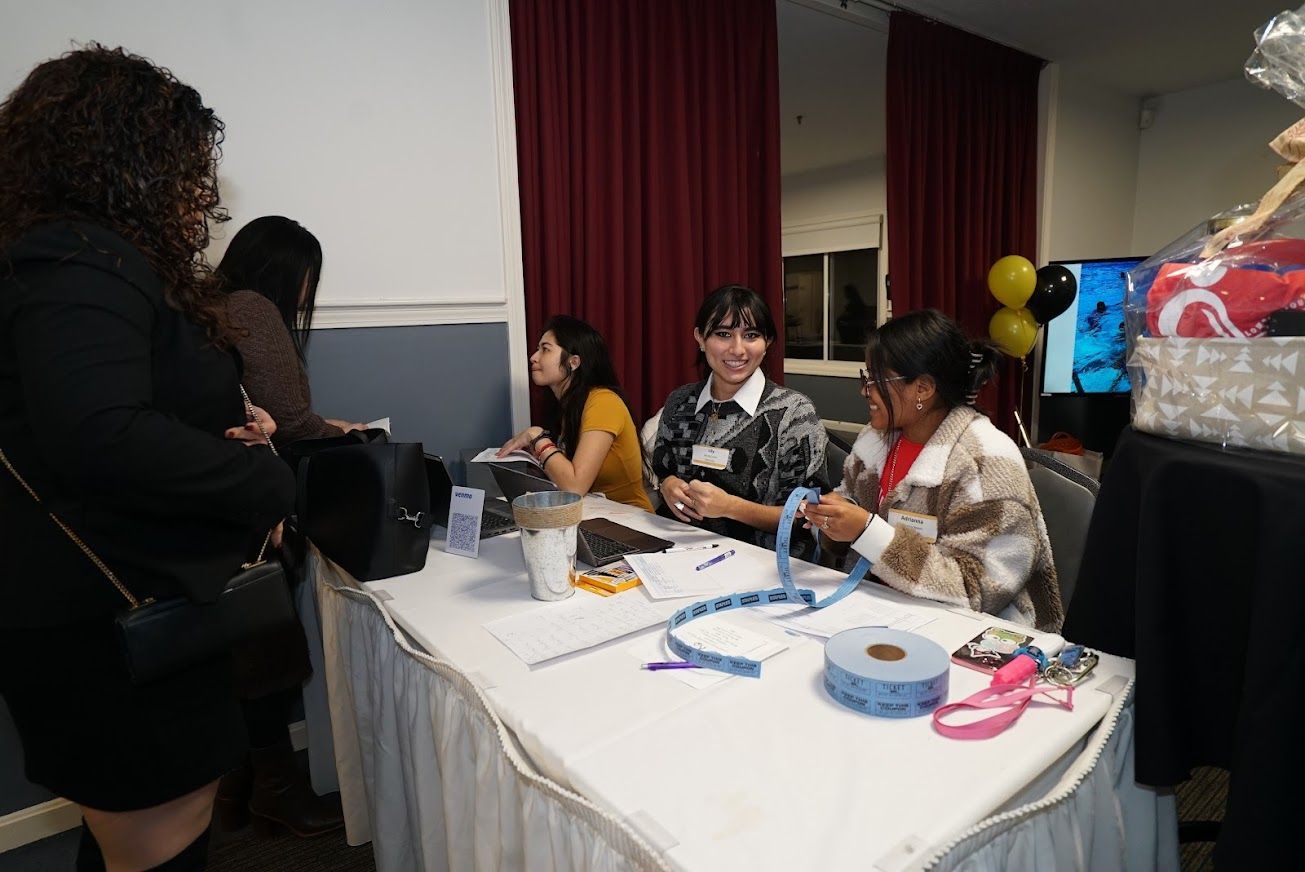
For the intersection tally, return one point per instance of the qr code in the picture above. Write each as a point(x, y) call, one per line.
point(464, 532)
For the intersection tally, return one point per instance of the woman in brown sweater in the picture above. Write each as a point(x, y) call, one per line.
point(270, 274)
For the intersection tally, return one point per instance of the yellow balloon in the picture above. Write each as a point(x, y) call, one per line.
point(1012, 280)
point(1014, 331)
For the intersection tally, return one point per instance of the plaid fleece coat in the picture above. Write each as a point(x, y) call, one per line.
point(992, 553)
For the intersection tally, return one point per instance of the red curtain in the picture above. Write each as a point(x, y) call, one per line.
point(962, 117)
point(648, 157)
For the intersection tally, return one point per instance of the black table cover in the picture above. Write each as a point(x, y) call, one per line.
point(1195, 566)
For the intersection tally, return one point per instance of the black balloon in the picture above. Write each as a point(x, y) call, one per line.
point(1054, 292)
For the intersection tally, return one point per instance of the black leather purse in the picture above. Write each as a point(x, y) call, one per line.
point(164, 637)
point(365, 506)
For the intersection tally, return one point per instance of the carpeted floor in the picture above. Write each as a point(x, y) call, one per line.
point(1201, 798)
point(246, 851)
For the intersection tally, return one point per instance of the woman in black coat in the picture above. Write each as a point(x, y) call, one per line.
point(118, 391)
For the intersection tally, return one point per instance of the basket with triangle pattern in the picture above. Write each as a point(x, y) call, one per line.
point(1245, 393)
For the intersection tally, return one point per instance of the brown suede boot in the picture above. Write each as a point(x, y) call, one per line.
point(282, 796)
point(231, 806)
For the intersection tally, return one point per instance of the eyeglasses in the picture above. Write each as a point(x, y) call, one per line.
point(866, 382)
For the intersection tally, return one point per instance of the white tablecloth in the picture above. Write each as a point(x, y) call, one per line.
point(470, 759)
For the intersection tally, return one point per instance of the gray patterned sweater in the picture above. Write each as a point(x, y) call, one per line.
point(992, 553)
point(780, 448)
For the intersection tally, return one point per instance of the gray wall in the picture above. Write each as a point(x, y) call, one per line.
point(836, 398)
point(445, 386)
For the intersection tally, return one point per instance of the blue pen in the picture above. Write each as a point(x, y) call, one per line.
point(712, 562)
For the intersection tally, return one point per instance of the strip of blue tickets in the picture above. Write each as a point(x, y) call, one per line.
point(787, 593)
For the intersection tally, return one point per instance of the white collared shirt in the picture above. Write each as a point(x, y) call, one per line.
point(748, 396)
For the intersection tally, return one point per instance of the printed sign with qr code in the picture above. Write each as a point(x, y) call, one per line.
point(465, 507)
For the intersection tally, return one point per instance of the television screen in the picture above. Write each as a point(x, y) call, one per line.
point(1085, 348)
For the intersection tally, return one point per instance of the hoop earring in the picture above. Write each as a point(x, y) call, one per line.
point(919, 405)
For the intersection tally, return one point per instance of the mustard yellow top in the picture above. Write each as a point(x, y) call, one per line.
point(620, 477)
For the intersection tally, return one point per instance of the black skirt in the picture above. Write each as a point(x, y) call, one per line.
point(91, 736)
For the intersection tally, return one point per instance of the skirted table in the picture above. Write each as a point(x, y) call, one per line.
point(1195, 567)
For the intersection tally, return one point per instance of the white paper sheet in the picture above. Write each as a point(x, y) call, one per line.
point(380, 424)
point(575, 624)
point(490, 455)
point(854, 613)
point(667, 576)
point(711, 635)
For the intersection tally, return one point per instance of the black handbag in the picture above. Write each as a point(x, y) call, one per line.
point(160, 638)
point(365, 506)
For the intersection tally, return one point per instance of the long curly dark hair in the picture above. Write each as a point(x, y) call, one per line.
point(104, 136)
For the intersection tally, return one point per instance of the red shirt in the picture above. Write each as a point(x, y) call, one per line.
point(897, 464)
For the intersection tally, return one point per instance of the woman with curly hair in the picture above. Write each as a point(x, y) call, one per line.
point(121, 411)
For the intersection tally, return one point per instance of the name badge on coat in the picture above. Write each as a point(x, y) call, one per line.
point(711, 457)
point(925, 525)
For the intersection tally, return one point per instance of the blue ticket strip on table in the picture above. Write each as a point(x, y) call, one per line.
point(881, 672)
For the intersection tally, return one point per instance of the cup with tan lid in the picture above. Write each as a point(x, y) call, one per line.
point(549, 521)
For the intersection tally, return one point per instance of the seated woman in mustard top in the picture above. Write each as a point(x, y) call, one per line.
point(592, 443)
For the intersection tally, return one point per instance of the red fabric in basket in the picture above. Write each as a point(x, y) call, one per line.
point(1232, 294)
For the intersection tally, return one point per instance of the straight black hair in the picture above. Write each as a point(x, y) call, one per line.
point(564, 413)
point(734, 306)
point(279, 259)
point(927, 342)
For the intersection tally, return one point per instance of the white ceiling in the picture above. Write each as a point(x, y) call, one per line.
point(1139, 47)
point(831, 72)
point(831, 69)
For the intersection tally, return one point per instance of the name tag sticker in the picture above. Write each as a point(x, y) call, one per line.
point(711, 457)
point(925, 525)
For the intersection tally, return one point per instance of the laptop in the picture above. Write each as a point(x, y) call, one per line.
point(493, 521)
point(600, 541)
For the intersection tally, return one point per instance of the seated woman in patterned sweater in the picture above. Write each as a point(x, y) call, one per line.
point(731, 448)
point(936, 497)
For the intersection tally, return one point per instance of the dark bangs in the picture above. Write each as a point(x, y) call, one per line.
point(735, 306)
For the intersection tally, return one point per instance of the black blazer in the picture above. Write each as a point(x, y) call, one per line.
point(113, 406)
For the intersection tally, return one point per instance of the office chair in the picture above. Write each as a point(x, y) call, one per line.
point(648, 439)
point(1067, 497)
point(835, 456)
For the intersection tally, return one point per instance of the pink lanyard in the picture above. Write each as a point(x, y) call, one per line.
point(1015, 698)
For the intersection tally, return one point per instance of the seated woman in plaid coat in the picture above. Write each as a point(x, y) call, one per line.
point(933, 495)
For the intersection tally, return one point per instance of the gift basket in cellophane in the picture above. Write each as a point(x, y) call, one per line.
point(1216, 320)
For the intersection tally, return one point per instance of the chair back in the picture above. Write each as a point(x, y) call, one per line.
point(648, 439)
point(835, 456)
point(1067, 497)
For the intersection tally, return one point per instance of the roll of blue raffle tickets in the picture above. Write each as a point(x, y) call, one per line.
point(886, 673)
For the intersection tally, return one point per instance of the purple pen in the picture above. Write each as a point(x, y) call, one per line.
point(712, 562)
point(672, 664)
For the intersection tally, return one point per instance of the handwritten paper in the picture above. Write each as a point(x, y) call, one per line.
point(575, 624)
point(854, 613)
point(667, 576)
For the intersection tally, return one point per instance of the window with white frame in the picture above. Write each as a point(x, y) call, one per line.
point(833, 280)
